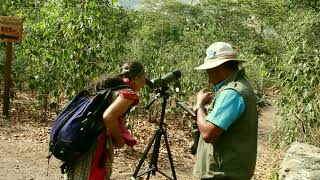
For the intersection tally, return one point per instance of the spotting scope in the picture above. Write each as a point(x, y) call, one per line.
point(172, 76)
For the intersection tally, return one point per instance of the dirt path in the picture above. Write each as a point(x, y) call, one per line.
point(23, 148)
point(268, 158)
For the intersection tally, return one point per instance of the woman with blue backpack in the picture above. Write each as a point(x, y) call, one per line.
point(96, 163)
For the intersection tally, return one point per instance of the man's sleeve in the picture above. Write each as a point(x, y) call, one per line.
point(228, 107)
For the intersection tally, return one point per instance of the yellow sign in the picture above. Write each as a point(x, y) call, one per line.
point(11, 28)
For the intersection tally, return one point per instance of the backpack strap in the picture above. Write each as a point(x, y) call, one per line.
point(119, 87)
point(49, 158)
point(105, 91)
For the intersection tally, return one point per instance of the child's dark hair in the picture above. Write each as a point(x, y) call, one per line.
point(130, 70)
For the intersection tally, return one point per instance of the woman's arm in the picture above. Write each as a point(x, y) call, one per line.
point(111, 118)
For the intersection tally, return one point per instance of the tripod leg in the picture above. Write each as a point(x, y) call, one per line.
point(155, 154)
point(145, 154)
point(169, 154)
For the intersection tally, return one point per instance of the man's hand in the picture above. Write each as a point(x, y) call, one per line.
point(204, 97)
point(209, 132)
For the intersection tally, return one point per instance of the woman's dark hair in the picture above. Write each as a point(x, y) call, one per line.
point(130, 70)
point(232, 65)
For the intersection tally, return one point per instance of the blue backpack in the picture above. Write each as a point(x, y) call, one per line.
point(75, 129)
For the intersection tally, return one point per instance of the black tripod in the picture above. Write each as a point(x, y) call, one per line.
point(156, 139)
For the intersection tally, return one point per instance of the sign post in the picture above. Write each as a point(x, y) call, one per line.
point(10, 31)
point(7, 79)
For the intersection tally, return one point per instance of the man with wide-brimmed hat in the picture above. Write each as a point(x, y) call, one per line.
point(227, 146)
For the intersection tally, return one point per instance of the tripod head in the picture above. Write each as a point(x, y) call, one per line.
point(163, 93)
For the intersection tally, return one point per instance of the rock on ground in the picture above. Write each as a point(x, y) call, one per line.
point(301, 162)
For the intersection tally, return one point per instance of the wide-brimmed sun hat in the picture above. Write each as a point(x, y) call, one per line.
point(217, 54)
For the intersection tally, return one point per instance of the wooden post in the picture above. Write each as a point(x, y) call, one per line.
point(7, 79)
point(10, 31)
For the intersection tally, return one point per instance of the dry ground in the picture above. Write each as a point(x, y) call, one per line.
point(24, 142)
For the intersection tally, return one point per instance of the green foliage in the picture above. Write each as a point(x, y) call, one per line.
point(305, 4)
point(176, 35)
point(23, 9)
point(68, 43)
point(299, 74)
point(274, 175)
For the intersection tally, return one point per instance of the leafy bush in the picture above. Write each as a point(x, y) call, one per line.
point(299, 75)
point(69, 43)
